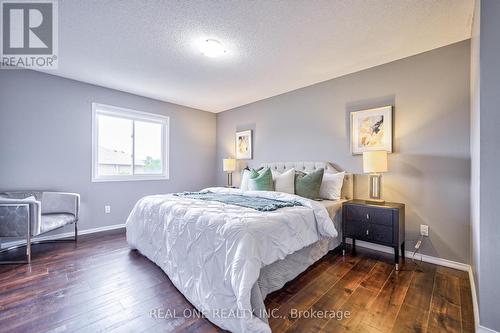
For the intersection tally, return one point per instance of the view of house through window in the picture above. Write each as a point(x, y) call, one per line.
point(129, 145)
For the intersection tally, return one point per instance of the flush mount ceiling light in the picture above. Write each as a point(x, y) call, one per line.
point(212, 48)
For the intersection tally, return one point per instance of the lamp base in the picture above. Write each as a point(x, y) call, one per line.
point(375, 190)
point(375, 201)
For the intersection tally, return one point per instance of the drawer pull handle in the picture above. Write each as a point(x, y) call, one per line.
point(367, 232)
point(367, 216)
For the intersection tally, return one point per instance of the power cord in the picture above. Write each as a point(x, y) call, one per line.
point(417, 248)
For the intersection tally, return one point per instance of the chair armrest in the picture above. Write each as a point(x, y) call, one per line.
point(61, 202)
point(13, 217)
point(9, 201)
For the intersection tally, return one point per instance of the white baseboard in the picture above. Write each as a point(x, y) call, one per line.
point(482, 329)
point(64, 235)
point(475, 304)
point(418, 256)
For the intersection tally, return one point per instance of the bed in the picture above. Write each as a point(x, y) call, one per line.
point(226, 259)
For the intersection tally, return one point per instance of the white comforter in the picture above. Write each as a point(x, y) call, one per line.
point(213, 252)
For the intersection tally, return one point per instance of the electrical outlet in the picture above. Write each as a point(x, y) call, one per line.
point(424, 230)
point(107, 209)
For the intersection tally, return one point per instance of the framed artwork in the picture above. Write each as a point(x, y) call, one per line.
point(371, 130)
point(244, 145)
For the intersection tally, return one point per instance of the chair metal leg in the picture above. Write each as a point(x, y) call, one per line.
point(76, 231)
point(28, 250)
point(30, 242)
point(15, 262)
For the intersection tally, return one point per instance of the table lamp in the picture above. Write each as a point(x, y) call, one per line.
point(374, 163)
point(229, 165)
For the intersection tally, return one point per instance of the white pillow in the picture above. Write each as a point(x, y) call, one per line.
point(245, 176)
point(331, 186)
point(284, 182)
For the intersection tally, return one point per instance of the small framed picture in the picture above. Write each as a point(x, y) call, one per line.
point(244, 145)
point(371, 130)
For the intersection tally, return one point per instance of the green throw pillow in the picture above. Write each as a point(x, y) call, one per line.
point(307, 185)
point(262, 181)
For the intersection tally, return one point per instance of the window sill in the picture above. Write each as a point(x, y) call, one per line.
point(128, 179)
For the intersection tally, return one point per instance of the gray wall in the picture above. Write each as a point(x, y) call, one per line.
point(45, 143)
point(486, 156)
point(430, 169)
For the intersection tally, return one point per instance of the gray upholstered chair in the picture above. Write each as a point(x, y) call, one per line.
point(30, 214)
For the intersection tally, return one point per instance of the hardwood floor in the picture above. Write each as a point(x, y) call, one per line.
point(99, 285)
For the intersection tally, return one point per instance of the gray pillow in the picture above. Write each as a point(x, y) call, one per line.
point(308, 185)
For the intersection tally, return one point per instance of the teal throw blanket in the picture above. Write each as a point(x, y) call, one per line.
point(257, 203)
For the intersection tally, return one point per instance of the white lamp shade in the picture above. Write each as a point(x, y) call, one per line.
point(375, 161)
point(229, 164)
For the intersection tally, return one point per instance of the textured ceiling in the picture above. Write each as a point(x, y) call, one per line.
point(148, 47)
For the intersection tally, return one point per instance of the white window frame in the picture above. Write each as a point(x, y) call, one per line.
point(119, 112)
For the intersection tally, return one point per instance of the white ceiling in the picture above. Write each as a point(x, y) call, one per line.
point(148, 47)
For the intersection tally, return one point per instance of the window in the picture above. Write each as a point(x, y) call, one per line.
point(128, 144)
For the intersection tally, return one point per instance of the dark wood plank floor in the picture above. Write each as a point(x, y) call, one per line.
point(99, 285)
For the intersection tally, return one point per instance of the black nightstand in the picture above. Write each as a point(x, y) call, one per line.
point(382, 224)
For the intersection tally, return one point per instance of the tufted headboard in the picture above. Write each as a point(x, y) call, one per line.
point(347, 187)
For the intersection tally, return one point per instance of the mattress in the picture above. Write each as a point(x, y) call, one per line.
point(332, 206)
point(274, 276)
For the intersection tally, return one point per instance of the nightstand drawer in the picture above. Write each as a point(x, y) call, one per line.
point(382, 233)
point(356, 229)
point(370, 232)
point(369, 214)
